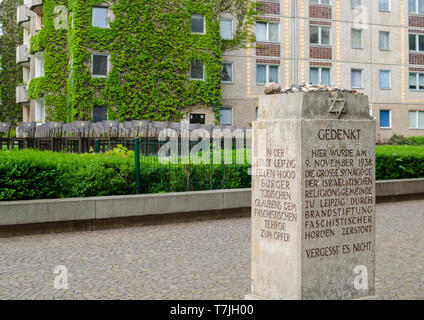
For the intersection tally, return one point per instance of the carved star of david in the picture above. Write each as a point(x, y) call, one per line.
point(337, 105)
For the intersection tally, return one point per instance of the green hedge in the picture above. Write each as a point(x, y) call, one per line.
point(411, 141)
point(29, 174)
point(399, 162)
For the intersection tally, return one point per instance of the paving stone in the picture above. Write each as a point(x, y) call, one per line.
point(200, 260)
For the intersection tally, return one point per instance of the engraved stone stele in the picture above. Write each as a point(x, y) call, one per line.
point(313, 197)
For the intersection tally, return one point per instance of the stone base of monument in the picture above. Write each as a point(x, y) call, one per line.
point(313, 198)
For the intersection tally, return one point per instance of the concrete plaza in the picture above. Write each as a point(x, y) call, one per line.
point(198, 260)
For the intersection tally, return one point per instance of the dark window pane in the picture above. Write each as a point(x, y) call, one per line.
point(227, 72)
point(197, 24)
point(196, 71)
point(412, 42)
point(99, 113)
point(99, 65)
point(314, 34)
point(197, 118)
point(421, 43)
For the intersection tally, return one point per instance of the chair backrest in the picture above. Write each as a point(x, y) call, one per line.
point(55, 129)
point(111, 127)
point(82, 128)
point(5, 126)
point(28, 129)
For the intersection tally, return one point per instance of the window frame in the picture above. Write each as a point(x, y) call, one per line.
point(417, 81)
point(416, 6)
point(362, 38)
point(417, 112)
point(388, 10)
point(108, 16)
point(390, 79)
point(390, 119)
point(319, 73)
point(380, 32)
point(107, 65)
point(232, 71)
point(204, 75)
point(204, 23)
point(330, 40)
point(267, 23)
point(232, 115)
point(417, 42)
point(354, 7)
point(267, 73)
point(361, 86)
point(319, 2)
point(232, 28)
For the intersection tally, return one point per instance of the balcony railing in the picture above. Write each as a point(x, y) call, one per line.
point(22, 15)
point(22, 94)
point(22, 55)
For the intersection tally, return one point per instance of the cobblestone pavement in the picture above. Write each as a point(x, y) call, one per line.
point(200, 260)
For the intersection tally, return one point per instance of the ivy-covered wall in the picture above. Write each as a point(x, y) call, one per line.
point(150, 46)
point(10, 72)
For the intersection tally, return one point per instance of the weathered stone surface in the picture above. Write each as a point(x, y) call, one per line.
point(313, 197)
point(272, 87)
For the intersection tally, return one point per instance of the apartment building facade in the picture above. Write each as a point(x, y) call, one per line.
point(374, 46)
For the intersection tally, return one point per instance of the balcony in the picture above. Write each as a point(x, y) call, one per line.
point(22, 16)
point(36, 6)
point(22, 94)
point(22, 55)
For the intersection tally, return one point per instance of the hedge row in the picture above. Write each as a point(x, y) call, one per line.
point(29, 174)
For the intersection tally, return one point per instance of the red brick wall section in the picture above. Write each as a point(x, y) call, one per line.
point(416, 21)
point(268, 7)
point(416, 58)
point(265, 61)
point(270, 19)
point(320, 12)
point(320, 64)
point(416, 69)
point(320, 23)
point(320, 53)
point(269, 50)
point(415, 31)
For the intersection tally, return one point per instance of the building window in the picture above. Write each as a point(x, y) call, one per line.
point(197, 118)
point(100, 17)
point(227, 72)
point(320, 2)
point(384, 5)
point(267, 32)
point(416, 42)
point(266, 73)
point(385, 119)
point(99, 65)
point(357, 38)
point(197, 70)
point(198, 23)
point(356, 78)
point(416, 81)
point(226, 116)
point(320, 35)
point(416, 119)
point(385, 79)
point(99, 113)
point(355, 3)
point(226, 29)
point(416, 6)
point(39, 65)
point(320, 75)
point(384, 40)
point(40, 111)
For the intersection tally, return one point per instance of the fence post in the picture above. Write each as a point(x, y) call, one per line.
point(96, 146)
point(137, 164)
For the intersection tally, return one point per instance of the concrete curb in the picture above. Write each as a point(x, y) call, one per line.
point(217, 203)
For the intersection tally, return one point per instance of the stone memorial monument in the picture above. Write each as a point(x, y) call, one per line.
point(313, 197)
